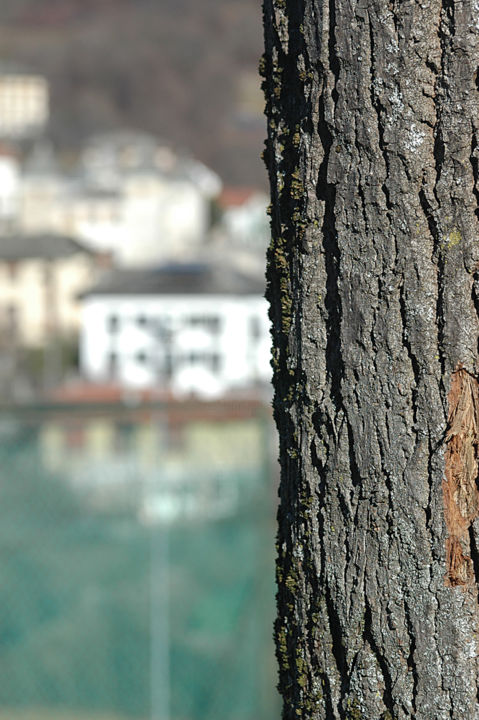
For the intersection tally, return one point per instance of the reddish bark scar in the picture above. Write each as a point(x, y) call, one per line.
point(461, 494)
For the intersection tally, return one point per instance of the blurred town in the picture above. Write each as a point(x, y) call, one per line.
point(126, 264)
point(135, 429)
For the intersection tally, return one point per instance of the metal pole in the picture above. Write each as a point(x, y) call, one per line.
point(159, 624)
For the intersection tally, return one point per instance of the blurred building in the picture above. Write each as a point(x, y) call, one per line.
point(41, 277)
point(154, 455)
point(241, 232)
point(42, 186)
point(130, 195)
point(195, 328)
point(244, 219)
point(24, 103)
point(9, 188)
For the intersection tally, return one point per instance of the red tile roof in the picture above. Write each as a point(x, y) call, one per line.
point(235, 196)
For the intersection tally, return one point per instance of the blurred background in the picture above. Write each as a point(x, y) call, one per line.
point(137, 452)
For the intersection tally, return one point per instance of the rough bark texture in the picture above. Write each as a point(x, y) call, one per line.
point(373, 156)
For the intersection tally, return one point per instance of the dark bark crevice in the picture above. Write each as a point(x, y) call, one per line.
point(330, 630)
point(416, 368)
point(332, 301)
point(380, 114)
point(337, 638)
point(353, 463)
point(428, 510)
point(363, 205)
point(431, 217)
point(334, 64)
point(439, 149)
point(474, 554)
point(411, 661)
point(475, 169)
point(368, 637)
point(475, 299)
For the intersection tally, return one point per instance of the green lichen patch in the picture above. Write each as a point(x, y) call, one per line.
point(282, 647)
point(353, 710)
point(262, 66)
point(451, 240)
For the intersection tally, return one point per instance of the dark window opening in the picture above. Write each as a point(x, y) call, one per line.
point(12, 318)
point(12, 268)
point(211, 360)
point(255, 329)
point(113, 323)
point(112, 364)
point(207, 322)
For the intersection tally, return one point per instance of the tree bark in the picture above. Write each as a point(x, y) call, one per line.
point(372, 153)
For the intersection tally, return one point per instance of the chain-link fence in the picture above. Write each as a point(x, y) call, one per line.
point(136, 572)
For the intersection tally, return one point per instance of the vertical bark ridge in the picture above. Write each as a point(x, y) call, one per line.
point(372, 279)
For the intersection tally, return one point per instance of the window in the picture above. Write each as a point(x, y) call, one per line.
point(162, 329)
point(215, 362)
point(12, 319)
point(206, 322)
point(112, 364)
point(254, 328)
point(168, 366)
point(113, 323)
point(12, 268)
point(210, 360)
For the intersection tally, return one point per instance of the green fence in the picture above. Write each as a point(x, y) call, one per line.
point(136, 573)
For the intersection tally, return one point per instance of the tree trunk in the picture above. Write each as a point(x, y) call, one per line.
point(372, 153)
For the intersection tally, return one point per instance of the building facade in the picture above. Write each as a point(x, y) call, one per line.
point(9, 189)
point(130, 195)
point(41, 277)
point(24, 103)
point(192, 329)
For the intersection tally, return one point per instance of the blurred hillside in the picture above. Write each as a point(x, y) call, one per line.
point(181, 69)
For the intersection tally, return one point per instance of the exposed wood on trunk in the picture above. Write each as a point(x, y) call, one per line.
point(461, 493)
point(372, 153)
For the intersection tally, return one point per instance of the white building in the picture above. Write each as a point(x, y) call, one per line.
point(244, 219)
point(242, 232)
point(130, 193)
point(191, 328)
point(24, 103)
point(9, 189)
point(160, 194)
